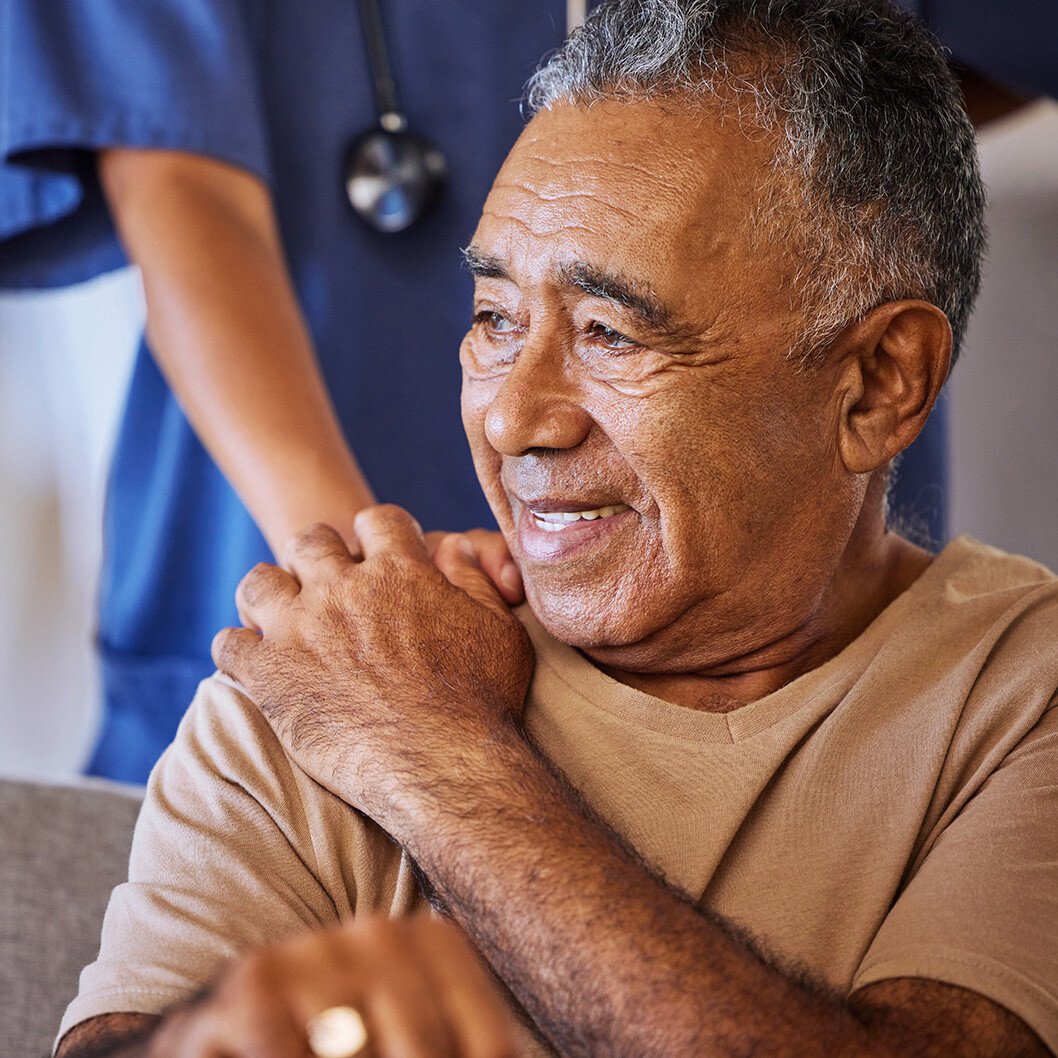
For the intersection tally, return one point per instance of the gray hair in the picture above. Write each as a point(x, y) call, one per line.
point(878, 183)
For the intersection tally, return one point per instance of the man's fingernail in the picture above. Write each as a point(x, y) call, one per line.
point(467, 547)
point(510, 578)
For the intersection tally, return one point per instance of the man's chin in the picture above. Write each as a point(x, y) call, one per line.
point(587, 619)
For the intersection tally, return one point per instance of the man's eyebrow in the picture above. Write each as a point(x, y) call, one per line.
point(483, 265)
point(629, 293)
point(596, 282)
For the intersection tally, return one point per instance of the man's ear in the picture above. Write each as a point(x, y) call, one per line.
point(896, 360)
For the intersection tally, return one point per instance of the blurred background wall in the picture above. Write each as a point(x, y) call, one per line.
point(1004, 391)
point(61, 387)
point(65, 357)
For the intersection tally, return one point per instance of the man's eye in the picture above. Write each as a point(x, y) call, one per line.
point(495, 322)
point(611, 338)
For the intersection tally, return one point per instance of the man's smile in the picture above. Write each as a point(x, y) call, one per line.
point(553, 529)
point(560, 518)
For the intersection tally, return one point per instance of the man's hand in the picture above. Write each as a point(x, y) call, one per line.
point(416, 983)
point(374, 673)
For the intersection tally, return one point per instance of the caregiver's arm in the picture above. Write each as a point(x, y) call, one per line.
point(226, 329)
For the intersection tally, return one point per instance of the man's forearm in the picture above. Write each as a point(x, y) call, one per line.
point(109, 1036)
point(605, 958)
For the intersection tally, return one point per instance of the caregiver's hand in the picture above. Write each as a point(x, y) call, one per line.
point(490, 550)
point(388, 678)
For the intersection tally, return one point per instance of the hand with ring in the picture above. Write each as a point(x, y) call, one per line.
point(370, 988)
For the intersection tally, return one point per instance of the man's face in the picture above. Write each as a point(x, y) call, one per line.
point(666, 479)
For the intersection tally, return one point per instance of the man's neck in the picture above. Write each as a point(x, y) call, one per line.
point(872, 574)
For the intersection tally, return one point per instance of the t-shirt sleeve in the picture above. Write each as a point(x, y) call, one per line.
point(222, 861)
point(80, 75)
point(981, 912)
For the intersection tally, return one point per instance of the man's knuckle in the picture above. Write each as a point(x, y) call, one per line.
point(318, 533)
point(311, 540)
point(365, 518)
point(257, 584)
point(392, 513)
point(385, 516)
point(225, 646)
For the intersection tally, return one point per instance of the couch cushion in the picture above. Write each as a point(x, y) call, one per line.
point(62, 849)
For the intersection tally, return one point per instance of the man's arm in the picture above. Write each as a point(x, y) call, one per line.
point(609, 961)
point(227, 332)
point(415, 722)
point(108, 1036)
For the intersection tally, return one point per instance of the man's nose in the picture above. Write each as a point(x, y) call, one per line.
point(539, 405)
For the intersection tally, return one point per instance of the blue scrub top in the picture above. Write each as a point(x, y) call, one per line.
point(279, 89)
point(1014, 43)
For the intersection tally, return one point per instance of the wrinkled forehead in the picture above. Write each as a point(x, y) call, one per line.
point(648, 182)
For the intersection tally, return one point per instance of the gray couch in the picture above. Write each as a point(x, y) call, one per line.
point(62, 849)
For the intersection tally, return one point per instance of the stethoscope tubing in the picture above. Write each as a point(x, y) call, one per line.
point(390, 115)
point(390, 175)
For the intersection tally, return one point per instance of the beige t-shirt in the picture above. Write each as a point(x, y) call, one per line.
point(892, 813)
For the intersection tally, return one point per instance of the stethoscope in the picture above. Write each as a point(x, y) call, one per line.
point(392, 175)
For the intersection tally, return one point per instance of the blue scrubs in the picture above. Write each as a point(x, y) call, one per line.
point(279, 89)
point(1014, 43)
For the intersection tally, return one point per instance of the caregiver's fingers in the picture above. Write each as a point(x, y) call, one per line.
point(456, 559)
point(492, 554)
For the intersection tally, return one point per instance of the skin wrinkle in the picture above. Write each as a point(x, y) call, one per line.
point(584, 163)
point(578, 170)
point(714, 247)
point(624, 291)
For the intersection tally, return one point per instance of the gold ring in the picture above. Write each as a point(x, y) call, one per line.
point(337, 1032)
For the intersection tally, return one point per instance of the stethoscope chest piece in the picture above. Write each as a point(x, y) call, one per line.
point(393, 177)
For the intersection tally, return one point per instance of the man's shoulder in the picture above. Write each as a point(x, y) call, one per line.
point(225, 748)
point(227, 774)
point(1002, 608)
point(975, 569)
point(977, 649)
point(224, 720)
point(975, 594)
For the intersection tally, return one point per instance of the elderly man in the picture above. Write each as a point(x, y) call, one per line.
point(781, 782)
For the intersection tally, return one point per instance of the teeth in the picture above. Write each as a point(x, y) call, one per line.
point(556, 522)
